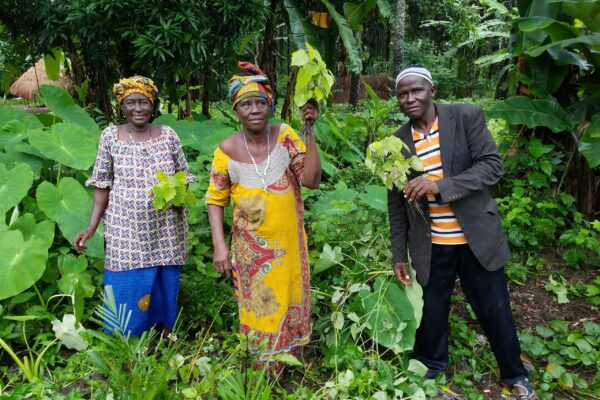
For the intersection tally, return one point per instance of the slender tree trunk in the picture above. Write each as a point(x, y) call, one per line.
point(354, 89)
point(398, 37)
point(286, 109)
point(462, 73)
point(205, 95)
point(266, 59)
point(331, 53)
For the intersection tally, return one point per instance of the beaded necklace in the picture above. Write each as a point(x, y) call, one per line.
point(262, 175)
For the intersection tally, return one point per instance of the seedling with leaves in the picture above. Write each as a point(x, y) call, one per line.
point(385, 159)
point(172, 191)
point(314, 79)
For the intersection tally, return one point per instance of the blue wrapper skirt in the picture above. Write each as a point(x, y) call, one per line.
point(149, 293)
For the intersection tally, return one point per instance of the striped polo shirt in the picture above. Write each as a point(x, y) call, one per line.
point(445, 228)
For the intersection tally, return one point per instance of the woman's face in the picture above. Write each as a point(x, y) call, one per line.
point(253, 113)
point(137, 108)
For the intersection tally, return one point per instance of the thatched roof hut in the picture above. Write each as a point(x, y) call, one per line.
point(32, 79)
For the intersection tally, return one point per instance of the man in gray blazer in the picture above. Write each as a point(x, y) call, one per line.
point(448, 223)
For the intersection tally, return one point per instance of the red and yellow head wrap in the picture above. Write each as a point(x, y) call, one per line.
point(250, 82)
point(135, 84)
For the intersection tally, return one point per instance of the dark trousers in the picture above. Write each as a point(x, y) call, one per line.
point(487, 293)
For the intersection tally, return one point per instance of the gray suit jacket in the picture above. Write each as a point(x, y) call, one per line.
point(471, 164)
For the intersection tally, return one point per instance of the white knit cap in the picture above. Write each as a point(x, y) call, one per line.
point(415, 71)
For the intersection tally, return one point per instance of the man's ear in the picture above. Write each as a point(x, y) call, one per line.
point(433, 90)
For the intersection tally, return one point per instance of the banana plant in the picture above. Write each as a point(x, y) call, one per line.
point(554, 84)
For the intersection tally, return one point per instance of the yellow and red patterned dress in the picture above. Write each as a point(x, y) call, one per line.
point(269, 252)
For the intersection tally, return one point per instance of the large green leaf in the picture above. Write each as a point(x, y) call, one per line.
point(347, 35)
point(521, 41)
point(389, 314)
point(215, 132)
point(28, 227)
point(494, 58)
point(414, 292)
point(590, 40)
point(14, 125)
point(542, 76)
point(375, 197)
point(12, 157)
point(53, 62)
point(328, 258)
point(565, 57)
point(336, 202)
point(385, 9)
point(10, 71)
point(70, 206)
point(496, 6)
point(589, 144)
point(586, 11)
point(75, 280)
point(356, 13)
point(521, 110)
point(8, 114)
point(14, 185)
point(67, 144)
point(202, 136)
point(62, 104)
point(556, 29)
point(302, 31)
point(22, 262)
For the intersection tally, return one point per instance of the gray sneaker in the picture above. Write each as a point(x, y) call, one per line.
point(522, 390)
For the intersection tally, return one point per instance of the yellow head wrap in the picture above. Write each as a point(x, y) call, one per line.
point(135, 84)
point(250, 82)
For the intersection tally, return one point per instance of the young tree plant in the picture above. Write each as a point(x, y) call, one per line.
point(385, 159)
point(172, 191)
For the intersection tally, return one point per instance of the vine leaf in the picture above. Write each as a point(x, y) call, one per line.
point(328, 258)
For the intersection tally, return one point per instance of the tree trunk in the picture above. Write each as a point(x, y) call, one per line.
point(354, 90)
point(286, 109)
point(462, 73)
point(398, 37)
point(205, 95)
point(266, 59)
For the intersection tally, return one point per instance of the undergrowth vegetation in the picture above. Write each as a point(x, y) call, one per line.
point(364, 322)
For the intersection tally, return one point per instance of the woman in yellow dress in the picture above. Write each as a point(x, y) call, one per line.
point(262, 169)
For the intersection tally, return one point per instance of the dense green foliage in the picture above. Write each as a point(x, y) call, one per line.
point(539, 58)
point(364, 321)
point(171, 191)
point(386, 160)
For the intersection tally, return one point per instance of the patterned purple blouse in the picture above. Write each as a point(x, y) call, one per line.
point(136, 235)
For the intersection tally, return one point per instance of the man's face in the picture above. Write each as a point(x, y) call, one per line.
point(415, 96)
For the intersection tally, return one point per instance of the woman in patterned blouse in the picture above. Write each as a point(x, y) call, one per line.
point(261, 169)
point(144, 248)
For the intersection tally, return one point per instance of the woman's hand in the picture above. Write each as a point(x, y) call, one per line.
point(81, 238)
point(222, 259)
